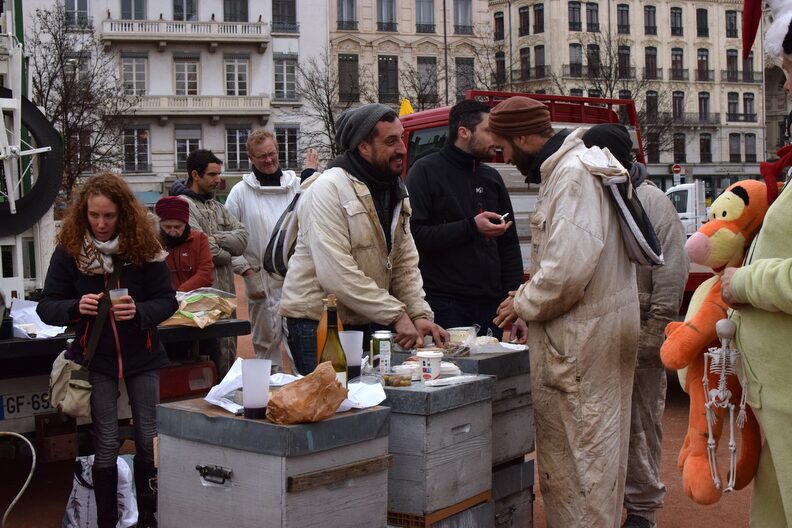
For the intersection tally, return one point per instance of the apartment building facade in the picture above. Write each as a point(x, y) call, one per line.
point(205, 72)
point(702, 105)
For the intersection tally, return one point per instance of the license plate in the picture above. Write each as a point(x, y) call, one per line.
point(23, 405)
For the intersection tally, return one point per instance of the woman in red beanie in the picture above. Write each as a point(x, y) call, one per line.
point(189, 258)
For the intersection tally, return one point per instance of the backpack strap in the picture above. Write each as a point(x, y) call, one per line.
point(101, 312)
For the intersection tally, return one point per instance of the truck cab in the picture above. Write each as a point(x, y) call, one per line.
point(689, 201)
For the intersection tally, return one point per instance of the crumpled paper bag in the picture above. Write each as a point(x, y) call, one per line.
point(312, 398)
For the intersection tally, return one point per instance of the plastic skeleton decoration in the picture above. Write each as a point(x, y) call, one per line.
point(722, 361)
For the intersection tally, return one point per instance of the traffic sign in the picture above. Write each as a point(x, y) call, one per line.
point(677, 169)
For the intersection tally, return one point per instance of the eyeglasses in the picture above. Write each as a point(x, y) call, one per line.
point(265, 156)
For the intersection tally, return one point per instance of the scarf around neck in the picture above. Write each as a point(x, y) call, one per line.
point(96, 258)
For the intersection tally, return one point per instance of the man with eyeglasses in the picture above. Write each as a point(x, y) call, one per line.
point(258, 201)
point(227, 236)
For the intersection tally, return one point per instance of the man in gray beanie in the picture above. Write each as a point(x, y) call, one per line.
point(354, 241)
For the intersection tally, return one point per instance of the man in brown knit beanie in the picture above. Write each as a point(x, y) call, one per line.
point(581, 306)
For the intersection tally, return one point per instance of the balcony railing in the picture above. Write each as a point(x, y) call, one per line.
point(730, 76)
point(347, 25)
point(498, 35)
point(540, 72)
point(574, 70)
point(732, 33)
point(463, 30)
point(650, 30)
point(735, 158)
point(705, 157)
point(522, 31)
point(623, 29)
point(746, 76)
point(750, 158)
point(676, 31)
point(702, 31)
point(162, 31)
point(575, 26)
point(285, 97)
point(74, 19)
point(593, 27)
point(202, 105)
point(653, 74)
point(626, 72)
point(285, 27)
point(680, 74)
point(137, 167)
point(538, 28)
point(424, 28)
point(386, 26)
point(705, 75)
point(741, 118)
point(688, 118)
point(751, 76)
point(522, 74)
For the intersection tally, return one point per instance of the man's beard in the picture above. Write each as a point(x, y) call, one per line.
point(171, 241)
point(383, 166)
point(522, 159)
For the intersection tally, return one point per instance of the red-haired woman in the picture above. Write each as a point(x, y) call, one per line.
point(106, 224)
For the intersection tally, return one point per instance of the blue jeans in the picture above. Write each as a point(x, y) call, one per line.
point(143, 391)
point(302, 341)
point(450, 313)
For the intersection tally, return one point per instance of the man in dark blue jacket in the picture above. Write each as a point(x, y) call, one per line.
point(463, 225)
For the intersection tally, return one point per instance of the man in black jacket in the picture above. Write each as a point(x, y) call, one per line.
point(463, 225)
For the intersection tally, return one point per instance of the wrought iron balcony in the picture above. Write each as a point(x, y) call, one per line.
point(751, 76)
point(573, 70)
point(680, 74)
point(705, 75)
point(522, 31)
point(623, 29)
point(732, 32)
point(498, 35)
point(463, 30)
point(653, 74)
point(285, 27)
point(705, 157)
point(702, 31)
point(575, 26)
point(424, 28)
point(76, 20)
point(593, 27)
point(538, 28)
point(750, 158)
point(626, 72)
point(386, 26)
point(730, 75)
point(650, 30)
point(741, 118)
point(676, 31)
point(347, 25)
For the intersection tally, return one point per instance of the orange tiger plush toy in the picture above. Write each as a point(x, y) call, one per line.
point(734, 219)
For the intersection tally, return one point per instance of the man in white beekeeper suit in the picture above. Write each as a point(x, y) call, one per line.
point(258, 201)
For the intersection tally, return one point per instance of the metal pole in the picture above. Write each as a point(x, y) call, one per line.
point(511, 56)
point(445, 50)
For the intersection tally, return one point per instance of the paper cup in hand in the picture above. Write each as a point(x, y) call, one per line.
point(115, 295)
point(352, 343)
point(430, 364)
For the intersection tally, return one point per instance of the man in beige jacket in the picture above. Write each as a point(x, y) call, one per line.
point(354, 241)
point(581, 306)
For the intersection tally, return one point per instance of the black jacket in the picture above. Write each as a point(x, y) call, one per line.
point(447, 190)
point(155, 300)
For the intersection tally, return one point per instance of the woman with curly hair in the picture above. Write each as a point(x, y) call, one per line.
point(106, 227)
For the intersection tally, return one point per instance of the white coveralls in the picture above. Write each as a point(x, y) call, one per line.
point(581, 306)
point(259, 208)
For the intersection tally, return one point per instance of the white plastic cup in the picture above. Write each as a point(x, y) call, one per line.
point(352, 343)
point(255, 387)
point(116, 294)
point(430, 364)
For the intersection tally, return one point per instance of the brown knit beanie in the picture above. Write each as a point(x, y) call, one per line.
point(519, 116)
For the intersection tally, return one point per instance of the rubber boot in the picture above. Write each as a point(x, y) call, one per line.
point(146, 496)
point(105, 482)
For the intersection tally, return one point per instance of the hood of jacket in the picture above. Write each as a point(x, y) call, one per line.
point(180, 187)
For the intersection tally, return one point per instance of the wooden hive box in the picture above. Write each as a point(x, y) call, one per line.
point(441, 442)
point(513, 494)
point(216, 469)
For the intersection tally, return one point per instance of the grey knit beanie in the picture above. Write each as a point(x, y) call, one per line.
point(356, 124)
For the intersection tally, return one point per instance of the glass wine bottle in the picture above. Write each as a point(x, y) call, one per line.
point(332, 350)
point(321, 331)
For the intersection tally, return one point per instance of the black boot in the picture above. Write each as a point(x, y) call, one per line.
point(105, 481)
point(145, 487)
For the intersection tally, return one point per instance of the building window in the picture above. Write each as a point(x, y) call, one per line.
point(76, 13)
point(705, 148)
point(575, 60)
point(704, 106)
point(734, 148)
point(748, 66)
point(652, 147)
point(732, 106)
point(623, 19)
point(500, 69)
point(750, 148)
point(539, 57)
point(576, 92)
point(388, 77)
point(80, 145)
point(424, 16)
point(731, 24)
point(235, 10)
point(676, 21)
point(185, 10)
point(347, 18)
point(427, 78)
point(678, 106)
point(538, 18)
point(702, 66)
point(748, 107)
point(650, 61)
point(187, 140)
point(525, 64)
point(731, 65)
point(284, 16)
point(525, 20)
point(593, 59)
point(650, 20)
point(288, 136)
point(679, 148)
point(593, 92)
point(386, 15)
point(623, 115)
point(133, 72)
point(236, 76)
point(573, 11)
point(463, 17)
point(136, 150)
point(651, 106)
point(464, 75)
point(592, 17)
point(285, 78)
point(236, 149)
point(678, 73)
point(348, 78)
point(702, 25)
point(185, 76)
point(625, 71)
point(133, 9)
point(498, 34)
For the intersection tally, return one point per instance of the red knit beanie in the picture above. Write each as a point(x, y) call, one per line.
point(173, 208)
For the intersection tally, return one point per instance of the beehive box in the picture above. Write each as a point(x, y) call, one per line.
point(512, 406)
point(216, 469)
point(441, 442)
point(513, 495)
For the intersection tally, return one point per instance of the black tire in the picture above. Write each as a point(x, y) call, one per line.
point(37, 201)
